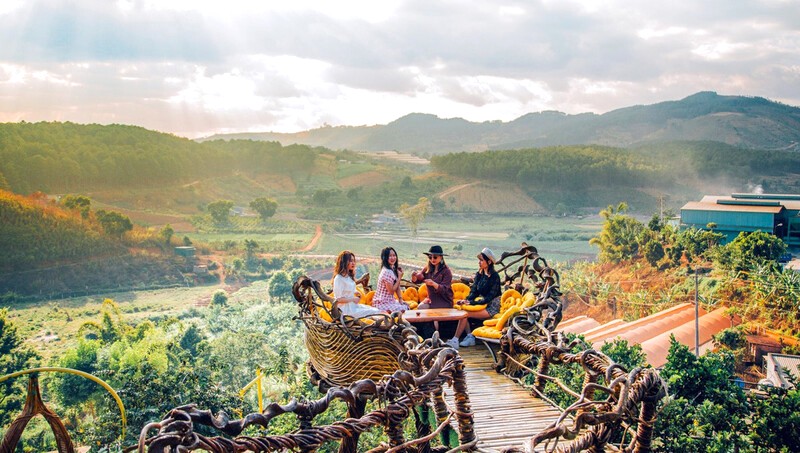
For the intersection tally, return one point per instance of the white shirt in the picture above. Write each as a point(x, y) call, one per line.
point(345, 288)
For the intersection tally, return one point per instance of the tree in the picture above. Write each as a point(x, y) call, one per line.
point(114, 223)
point(414, 215)
point(265, 207)
point(653, 252)
point(80, 203)
point(220, 298)
point(191, 338)
point(72, 389)
point(731, 338)
point(15, 355)
point(220, 210)
point(280, 287)
point(751, 248)
point(627, 355)
point(110, 328)
point(166, 233)
point(617, 240)
point(354, 194)
point(708, 410)
point(776, 420)
point(250, 249)
point(322, 196)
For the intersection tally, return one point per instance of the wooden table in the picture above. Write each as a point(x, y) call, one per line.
point(434, 314)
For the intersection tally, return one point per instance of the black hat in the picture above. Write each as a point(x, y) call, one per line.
point(435, 250)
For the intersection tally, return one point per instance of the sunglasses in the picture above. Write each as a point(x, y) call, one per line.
point(433, 256)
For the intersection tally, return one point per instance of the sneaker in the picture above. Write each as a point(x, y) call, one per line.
point(453, 343)
point(468, 341)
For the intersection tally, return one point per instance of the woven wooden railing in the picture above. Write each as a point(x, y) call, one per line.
point(356, 360)
point(613, 401)
point(400, 396)
point(348, 349)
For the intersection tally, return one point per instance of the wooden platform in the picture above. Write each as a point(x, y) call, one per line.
point(506, 414)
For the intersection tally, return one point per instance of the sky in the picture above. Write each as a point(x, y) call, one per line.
point(199, 67)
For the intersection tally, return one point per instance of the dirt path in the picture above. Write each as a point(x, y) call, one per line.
point(447, 192)
point(313, 243)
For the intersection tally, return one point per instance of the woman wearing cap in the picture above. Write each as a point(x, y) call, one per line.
point(344, 287)
point(388, 296)
point(485, 290)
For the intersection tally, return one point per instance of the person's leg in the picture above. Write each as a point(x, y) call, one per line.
point(469, 339)
point(462, 324)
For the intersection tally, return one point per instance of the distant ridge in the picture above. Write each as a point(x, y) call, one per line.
point(742, 121)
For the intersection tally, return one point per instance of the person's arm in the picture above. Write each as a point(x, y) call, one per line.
point(494, 287)
point(443, 281)
point(397, 289)
point(386, 281)
point(473, 290)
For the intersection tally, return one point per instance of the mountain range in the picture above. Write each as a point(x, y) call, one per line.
point(742, 121)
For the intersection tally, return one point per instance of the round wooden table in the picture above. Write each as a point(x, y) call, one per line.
point(434, 314)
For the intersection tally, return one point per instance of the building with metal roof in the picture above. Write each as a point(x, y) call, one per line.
point(778, 214)
point(778, 365)
point(653, 332)
point(657, 348)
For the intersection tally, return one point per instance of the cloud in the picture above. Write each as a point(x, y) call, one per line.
point(201, 66)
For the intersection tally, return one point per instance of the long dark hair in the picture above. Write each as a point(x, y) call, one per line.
point(385, 259)
point(342, 261)
point(490, 267)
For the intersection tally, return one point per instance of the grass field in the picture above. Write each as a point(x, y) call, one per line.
point(53, 325)
point(558, 239)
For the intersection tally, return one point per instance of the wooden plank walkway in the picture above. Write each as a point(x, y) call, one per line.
point(506, 414)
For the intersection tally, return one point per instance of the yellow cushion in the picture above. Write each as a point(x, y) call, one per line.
point(324, 314)
point(411, 294)
point(422, 291)
point(367, 299)
point(487, 332)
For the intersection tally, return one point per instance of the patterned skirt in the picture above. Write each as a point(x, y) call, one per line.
point(493, 307)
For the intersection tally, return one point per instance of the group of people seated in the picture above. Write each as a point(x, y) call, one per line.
point(435, 275)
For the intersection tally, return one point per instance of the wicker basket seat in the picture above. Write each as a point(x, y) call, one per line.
point(346, 349)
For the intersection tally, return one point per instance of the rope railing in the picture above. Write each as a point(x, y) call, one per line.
point(379, 362)
point(611, 400)
point(378, 359)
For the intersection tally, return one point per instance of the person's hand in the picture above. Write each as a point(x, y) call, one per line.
point(400, 272)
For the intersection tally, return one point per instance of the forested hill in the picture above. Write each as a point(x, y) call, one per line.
point(580, 176)
point(65, 157)
point(35, 231)
point(52, 251)
point(746, 122)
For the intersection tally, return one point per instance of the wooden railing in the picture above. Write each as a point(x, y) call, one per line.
point(411, 381)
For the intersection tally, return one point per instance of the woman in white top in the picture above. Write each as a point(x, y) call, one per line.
point(344, 287)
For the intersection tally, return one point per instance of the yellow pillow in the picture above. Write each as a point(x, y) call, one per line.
point(367, 298)
point(411, 294)
point(422, 291)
